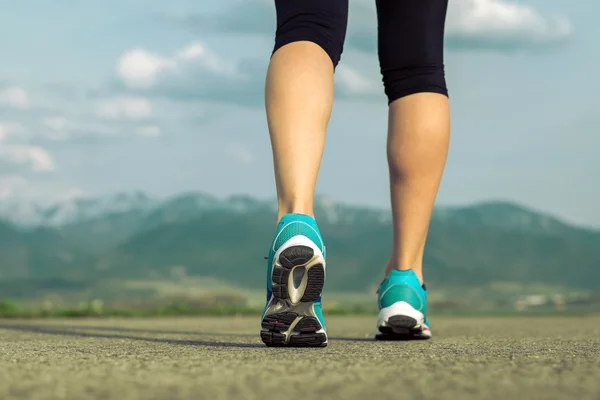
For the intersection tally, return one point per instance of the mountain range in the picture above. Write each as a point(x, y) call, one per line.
point(132, 236)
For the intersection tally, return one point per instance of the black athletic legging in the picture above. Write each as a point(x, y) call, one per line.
point(410, 38)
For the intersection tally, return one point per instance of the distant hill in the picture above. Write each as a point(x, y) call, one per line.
point(227, 239)
point(38, 253)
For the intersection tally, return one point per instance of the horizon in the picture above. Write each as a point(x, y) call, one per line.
point(160, 200)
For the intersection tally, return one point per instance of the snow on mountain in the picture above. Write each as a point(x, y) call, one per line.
point(503, 215)
point(77, 209)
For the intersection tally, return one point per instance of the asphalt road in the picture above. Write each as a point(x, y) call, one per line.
point(223, 358)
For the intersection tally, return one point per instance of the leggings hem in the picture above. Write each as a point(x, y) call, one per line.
point(306, 38)
point(417, 89)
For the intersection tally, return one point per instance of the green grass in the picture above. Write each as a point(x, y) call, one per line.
point(10, 309)
point(211, 297)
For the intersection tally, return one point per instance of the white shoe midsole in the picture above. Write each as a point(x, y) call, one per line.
point(404, 309)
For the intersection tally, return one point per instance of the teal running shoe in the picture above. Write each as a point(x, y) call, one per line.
point(295, 280)
point(402, 308)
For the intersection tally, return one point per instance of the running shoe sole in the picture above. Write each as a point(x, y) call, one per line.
point(298, 277)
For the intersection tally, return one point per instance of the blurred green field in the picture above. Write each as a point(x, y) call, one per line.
point(207, 296)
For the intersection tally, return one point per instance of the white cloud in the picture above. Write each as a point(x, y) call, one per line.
point(10, 128)
point(9, 185)
point(197, 51)
point(195, 72)
point(35, 157)
point(14, 97)
point(16, 187)
point(57, 123)
point(192, 51)
point(148, 131)
point(14, 152)
point(352, 82)
point(58, 127)
point(124, 107)
point(139, 68)
point(499, 23)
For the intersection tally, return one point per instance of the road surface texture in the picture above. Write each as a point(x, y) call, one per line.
point(223, 358)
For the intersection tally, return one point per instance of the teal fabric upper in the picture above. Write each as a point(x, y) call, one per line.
point(403, 286)
point(291, 225)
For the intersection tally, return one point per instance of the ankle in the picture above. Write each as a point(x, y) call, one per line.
point(294, 207)
point(416, 267)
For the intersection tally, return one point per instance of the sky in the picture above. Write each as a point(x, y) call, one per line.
point(167, 97)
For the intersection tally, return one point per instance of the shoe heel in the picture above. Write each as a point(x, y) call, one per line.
point(298, 278)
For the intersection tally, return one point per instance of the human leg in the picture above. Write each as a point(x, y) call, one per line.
point(299, 98)
point(410, 44)
point(299, 94)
